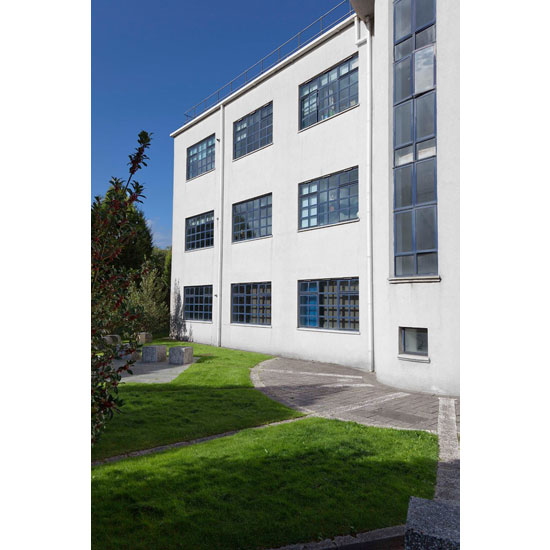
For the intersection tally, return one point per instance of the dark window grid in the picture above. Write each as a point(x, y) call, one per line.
point(414, 142)
point(415, 251)
point(253, 131)
point(201, 157)
point(328, 200)
point(329, 97)
point(333, 309)
point(251, 303)
point(414, 194)
point(252, 219)
point(199, 231)
point(414, 28)
point(198, 303)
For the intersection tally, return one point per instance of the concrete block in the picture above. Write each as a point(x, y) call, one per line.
point(180, 355)
point(145, 337)
point(135, 356)
point(113, 339)
point(432, 525)
point(154, 354)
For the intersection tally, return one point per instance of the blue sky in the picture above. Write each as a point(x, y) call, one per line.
point(151, 61)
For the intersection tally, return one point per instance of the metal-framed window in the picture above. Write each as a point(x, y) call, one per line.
point(197, 304)
point(331, 199)
point(329, 304)
point(253, 131)
point(201, 157)
point(251, 303)
point(414, 139)
point(329, 93)
point(199, 231)
point(252, 218)
point(413, 341)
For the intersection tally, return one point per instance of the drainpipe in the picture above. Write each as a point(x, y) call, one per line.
point(370, 306)
point(219, 219)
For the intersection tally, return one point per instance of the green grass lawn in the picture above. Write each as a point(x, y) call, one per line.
point(284, 484)
point(214, 395)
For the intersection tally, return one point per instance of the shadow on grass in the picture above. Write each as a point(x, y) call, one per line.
point(261, 489)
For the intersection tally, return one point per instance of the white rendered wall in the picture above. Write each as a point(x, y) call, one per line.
point(434, 306)
point(290, 255)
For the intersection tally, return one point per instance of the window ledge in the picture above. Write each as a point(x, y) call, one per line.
point(198, 249)
point(332, 331)
point(253, 239)
point(345, 222)
point(197, 321)
point(252, 152)
point(428, 279)
point(413, 358)
point(249, 325)
point(200, 175)
point(329, 118)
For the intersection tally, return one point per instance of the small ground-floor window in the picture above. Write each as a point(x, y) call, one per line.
point(197, 303)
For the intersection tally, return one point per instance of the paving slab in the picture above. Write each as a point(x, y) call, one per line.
point(153, 373)
point(346, 393)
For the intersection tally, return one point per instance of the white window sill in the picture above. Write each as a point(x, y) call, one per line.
point(329, 118)
point(197, 321)
point(198, 249)
point(249, 325)
point(420, 279)
point(331, 331)
point(252, 152)
point(345, 222)
point(253, 239)
point(200, 175)
point(413, 358)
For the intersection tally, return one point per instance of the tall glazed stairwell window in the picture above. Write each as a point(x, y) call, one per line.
point(414, 139)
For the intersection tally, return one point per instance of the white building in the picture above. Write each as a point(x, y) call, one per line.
point(316, 208)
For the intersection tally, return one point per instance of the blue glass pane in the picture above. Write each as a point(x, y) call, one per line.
point(425, 12)
point(403, 19)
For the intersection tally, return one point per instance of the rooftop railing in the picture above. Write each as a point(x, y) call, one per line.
point(330, 19)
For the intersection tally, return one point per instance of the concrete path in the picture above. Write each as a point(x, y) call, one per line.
point(153, 373)
point(346, 393)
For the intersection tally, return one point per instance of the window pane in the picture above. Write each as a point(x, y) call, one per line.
point(403, 156)
point(425, 181)
point(403, 186)
point(427, 263)
point(403, 232)
point(425, 228)
point(425, 37)
point(404, 265)
point(425, 116)
point(424, 70)
point(425, 149)
point(415, 341)
point(425, 12)
point(405, 48)
point(402, 84)
point(402, 19)
point(403, 124)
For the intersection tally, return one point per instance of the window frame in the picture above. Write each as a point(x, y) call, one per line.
point(317, 195)
point(338, 305)
point(246, 117)
point(205, 238)
point(301, 98)
point(267, 294)
point(202, 304)
point(268, 206)
point(416, 142)
point(402, 347)
point(210, 151)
